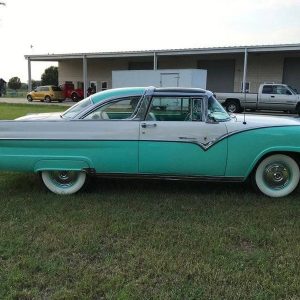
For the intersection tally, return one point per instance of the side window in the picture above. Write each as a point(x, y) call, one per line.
point(175, 109)
point(281, 90)
point(44, 89)
point(118, 110)
point(38, 89)
point(267, 89)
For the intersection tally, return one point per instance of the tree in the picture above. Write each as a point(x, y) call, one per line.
point(14, 83)
point(50, 76)
point(35, 83)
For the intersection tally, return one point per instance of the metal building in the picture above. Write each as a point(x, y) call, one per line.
point(229, 69)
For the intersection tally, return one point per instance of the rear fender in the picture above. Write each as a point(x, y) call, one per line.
point(61, 165)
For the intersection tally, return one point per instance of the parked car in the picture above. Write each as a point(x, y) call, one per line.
point(69, 92)
point(124, 133)
point(46, 93)
point(279, 97)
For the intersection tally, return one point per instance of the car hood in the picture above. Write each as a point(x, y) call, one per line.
point(41, 116)
point(259, 121)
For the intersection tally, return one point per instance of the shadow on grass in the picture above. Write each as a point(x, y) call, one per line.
point(30, 185)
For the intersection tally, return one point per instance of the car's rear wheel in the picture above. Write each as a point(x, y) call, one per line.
point(277, 175)
point(48, 99)
point(64, 182)
point(29, 98)
point(233, 106)
point(74, 97)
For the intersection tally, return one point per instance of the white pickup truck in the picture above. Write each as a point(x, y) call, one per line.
point(271, 96)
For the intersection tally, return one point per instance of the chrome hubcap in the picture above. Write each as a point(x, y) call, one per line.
point(64, 178)
point(277, 175)
point(231, 108)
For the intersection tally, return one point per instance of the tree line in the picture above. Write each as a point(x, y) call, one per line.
point(49, 77)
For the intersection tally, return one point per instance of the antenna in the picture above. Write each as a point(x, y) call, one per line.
point(244, 83)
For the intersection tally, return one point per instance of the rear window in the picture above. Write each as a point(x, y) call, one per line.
point(267, 89)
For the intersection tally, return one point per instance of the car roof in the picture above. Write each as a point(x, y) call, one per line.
point(180, 90)
point(139, 91)
point(114, 93)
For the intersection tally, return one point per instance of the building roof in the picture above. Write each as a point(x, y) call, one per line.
point(167, 52)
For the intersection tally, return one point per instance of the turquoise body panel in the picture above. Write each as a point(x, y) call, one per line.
point(115, 93)
point(246, 148)
point(104, 156)
point(234, 156)
point(182, 158)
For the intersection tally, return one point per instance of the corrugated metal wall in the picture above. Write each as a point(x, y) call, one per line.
point(291, 72)
point(220, 74)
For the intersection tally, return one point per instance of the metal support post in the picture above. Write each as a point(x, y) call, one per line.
point(85, 84)
point(29, 75)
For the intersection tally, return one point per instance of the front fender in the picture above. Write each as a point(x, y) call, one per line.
point(245, 149)
point(269, 152)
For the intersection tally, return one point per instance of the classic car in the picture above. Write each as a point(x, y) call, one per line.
point(170, 133)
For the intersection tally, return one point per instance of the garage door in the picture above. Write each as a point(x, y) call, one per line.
point(220, 74)
point(291, 72)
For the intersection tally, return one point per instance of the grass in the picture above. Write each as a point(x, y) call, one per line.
point(12, 111)
point(127, 239)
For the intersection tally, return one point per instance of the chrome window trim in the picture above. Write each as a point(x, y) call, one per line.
point(192, 96)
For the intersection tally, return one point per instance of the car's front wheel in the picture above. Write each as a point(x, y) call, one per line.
point(29, 98)
point(64, 182)
point(277, 175)
point(47, 99)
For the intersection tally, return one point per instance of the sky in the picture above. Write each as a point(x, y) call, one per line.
point(64, 26)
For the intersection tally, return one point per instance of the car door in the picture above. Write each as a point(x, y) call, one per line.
point(113, 136)
point(276, 97)
point(176, 140)
point(36, 94)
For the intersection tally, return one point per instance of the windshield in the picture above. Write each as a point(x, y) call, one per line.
point(293, 89)
point(77, 108)
point(216, 111)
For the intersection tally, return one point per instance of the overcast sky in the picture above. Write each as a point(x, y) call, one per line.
point(63, 26)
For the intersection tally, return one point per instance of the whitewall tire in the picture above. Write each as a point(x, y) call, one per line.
point(277, 175)
point(64, 182)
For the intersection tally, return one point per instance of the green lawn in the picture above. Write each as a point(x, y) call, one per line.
point(129, 239)
point(12, 111)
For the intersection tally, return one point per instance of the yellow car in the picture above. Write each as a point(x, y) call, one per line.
point(46, 93)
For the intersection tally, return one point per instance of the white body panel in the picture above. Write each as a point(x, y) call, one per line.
point(70, 130)
point(194, 78)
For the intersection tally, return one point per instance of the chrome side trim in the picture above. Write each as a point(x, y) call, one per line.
point(171, 177)
point(204, 146)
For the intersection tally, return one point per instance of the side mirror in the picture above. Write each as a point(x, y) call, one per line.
point(34, 90)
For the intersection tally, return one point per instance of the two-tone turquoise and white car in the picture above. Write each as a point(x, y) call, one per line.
point(155, 133)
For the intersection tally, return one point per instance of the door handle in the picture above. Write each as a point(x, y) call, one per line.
point(146, 125)
point(272, 96)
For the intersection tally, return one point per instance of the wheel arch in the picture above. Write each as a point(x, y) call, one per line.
point(295, 154)
point(233, 99)
point(56, 164)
